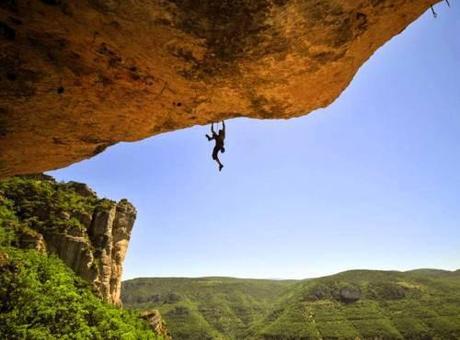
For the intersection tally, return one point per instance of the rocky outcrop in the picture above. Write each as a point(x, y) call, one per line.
point(156, 322)
point(349, 294)
point(90, 235)
point(79, 76)
point(30, 239)
point(97, 254)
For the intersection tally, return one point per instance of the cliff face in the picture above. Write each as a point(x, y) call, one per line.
point(79, 76)
point(67, 219)
point(99, 261)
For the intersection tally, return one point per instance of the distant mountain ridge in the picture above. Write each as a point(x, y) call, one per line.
point(356, 304)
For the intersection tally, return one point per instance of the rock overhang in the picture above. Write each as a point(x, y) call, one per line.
point(77, 77)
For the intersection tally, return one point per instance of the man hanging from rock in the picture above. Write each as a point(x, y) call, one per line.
point(219, 146)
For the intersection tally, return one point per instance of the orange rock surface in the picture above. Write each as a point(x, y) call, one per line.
point(79, 76)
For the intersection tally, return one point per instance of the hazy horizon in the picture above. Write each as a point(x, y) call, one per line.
point(370, 182)
point(281, 278)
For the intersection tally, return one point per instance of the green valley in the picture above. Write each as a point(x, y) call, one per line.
point(360, 304)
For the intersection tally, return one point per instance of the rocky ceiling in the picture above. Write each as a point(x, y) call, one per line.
point(79, 76)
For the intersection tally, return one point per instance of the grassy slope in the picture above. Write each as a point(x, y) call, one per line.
point(420, 304)
point(414, 305)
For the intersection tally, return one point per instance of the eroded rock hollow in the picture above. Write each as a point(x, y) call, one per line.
point(79, 76)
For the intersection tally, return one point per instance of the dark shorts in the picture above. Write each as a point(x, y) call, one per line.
point(215, 152)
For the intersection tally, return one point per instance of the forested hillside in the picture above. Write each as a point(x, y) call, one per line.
point(420, 304)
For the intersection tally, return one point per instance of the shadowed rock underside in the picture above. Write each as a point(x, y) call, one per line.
point(79, 76)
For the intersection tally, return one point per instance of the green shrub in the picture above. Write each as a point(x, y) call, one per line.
point(45, 205)
point(40, 298)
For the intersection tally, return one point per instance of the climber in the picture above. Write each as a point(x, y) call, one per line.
point(219, 146)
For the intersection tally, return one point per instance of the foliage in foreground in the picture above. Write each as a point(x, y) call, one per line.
point(40, 298)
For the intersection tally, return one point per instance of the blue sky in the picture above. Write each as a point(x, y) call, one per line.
point(373, 181)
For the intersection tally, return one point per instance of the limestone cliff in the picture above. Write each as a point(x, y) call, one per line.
point(79, 76)
point(89, 234)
